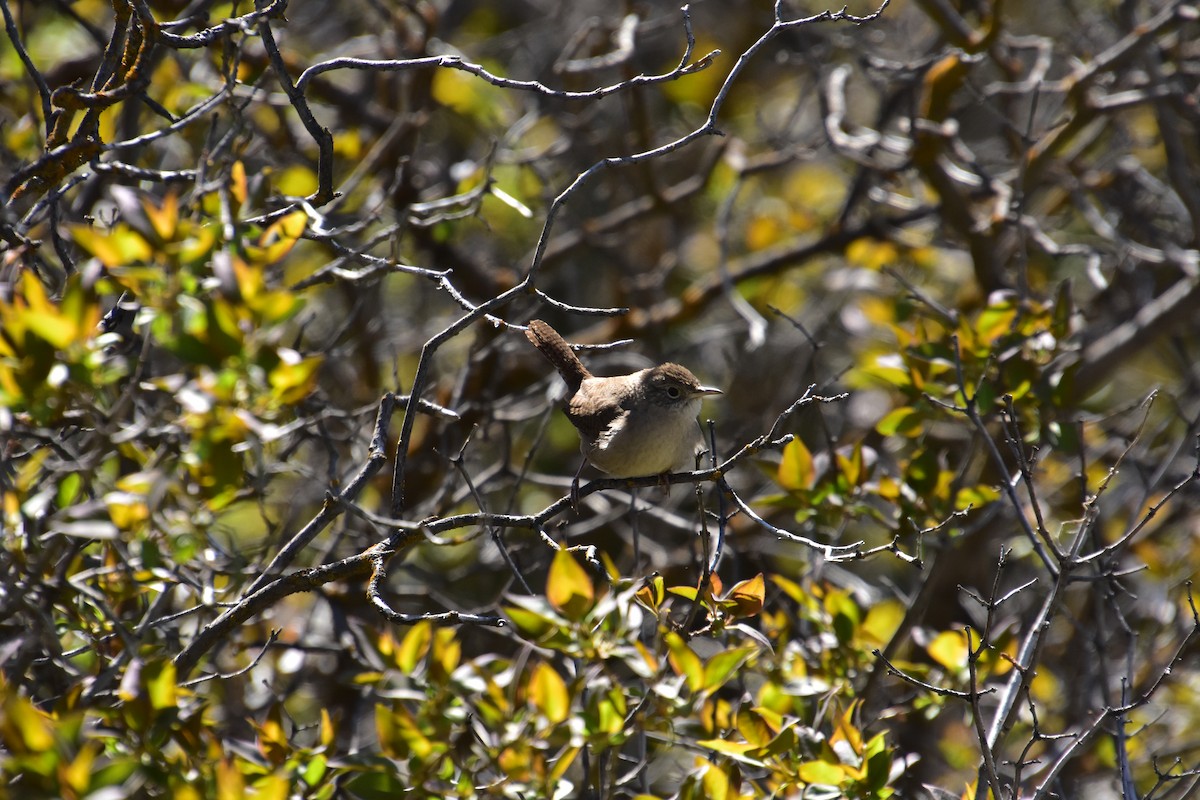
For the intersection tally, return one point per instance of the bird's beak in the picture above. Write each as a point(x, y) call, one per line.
point(708, 390)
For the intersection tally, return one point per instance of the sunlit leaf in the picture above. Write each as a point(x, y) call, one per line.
point(117, 248)
point(721, 667)
point(296, 180)
point(845, 730)
point(164, 218)
point(22, 723)
point(684, 661)
point(237, 183)
point(562, 763)
point(568, 587)
point(413, 647)
point(548, 692)
point(651, 593)
point(716, 782)
point(56, 330)
point(906, 421)
point(328, 731)
point(748, 596)
point(845, 613)
point(530, 623)
point(160, 685)
point(230, 784)
point(949, 648)
point(796, 467)
point(883, 619)
point(872, 253)
point(821, 772)
point(753, 728)
point(281, 236)
point(975, 497)
point(995, 321)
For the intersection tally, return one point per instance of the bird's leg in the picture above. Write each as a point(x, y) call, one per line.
point(637, 539)
point(575, 485)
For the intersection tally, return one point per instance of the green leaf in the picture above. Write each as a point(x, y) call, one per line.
point(52, 327)
point(315, 769)
point(376, 786)
point(721, 667)
point(684, 661)
point(905, 420)
point(530, 623)
point(161, 686)
point(651, 593)
point(821, 772)
point(879, 763)
point(846, 615)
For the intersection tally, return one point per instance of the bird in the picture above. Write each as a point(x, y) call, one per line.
point(634, 425)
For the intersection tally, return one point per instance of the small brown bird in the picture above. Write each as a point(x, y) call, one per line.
point(631, 425)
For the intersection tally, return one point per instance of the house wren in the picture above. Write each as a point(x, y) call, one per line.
point(631, 425)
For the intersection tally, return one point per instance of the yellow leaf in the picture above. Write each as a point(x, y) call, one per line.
point(291, 381)
point(684, 661)
point(851, 466)
point(414, 646)
point(762, 232)
point(716, 783)
point(237, 183)
point(568, 587)
point(160, 686)
point(749, 596)
point(126, 510)
point(119, 247)
point(456, 89)
point(753, 727)
point(844, 730)
point(548, 692)
point(471, 96)
point(281, 236)
point(816, 187)
point(651, 593)
point(327, 731)
point(446, 652)
point(975, 496)
point(273, 741)
point(871, 253)
point(1045, 687)
point(165, 218)
point(23, 723)
point(296, 181)
point(882, 621)
point(949, 648)
point(230, 785)
point(77, 773)
point(821, 772)
point(561, 764)
point(56, 330)
point(796, 467)
point(995, 321)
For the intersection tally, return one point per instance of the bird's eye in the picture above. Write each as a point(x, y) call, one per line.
point(673, 392)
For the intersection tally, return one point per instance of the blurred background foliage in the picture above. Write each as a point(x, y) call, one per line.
point(973, 227)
